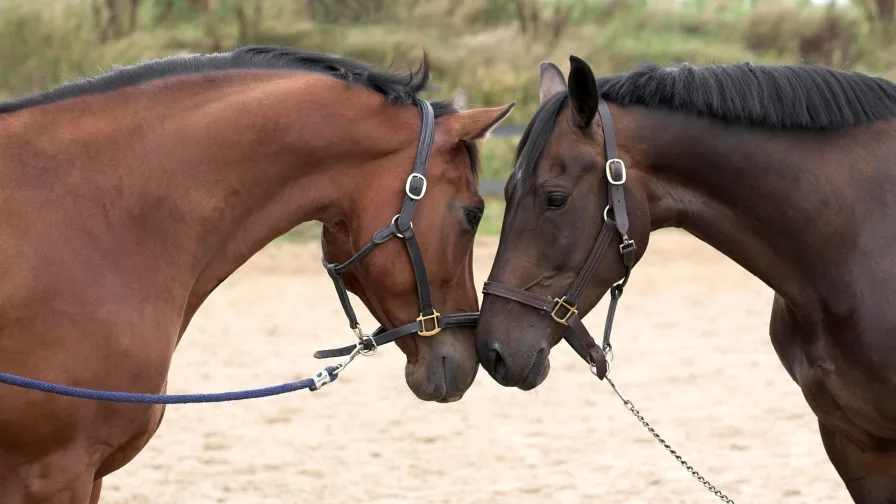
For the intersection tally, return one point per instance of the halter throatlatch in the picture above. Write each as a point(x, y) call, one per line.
point(430, 322)
point(563, 309)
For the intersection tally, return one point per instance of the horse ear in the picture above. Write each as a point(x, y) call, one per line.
point(476, 124)
point(583, 96)
point(552, 81)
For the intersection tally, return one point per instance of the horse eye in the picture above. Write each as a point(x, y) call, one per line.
point(474, 216)
point(557, 200)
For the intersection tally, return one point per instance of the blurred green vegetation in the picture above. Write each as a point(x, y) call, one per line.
point(490, 49)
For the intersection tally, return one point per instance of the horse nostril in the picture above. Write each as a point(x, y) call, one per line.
point(496, 360)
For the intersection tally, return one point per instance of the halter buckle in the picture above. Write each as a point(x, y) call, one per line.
point(407, 186)
point(570, 310)
point(610, 178)
point(626, 245)
point(435, 322)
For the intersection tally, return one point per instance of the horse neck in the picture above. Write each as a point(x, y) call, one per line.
point(230, 162)
point(776, 202)
point(319, 166)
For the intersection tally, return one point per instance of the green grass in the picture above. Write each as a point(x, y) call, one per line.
point(496, 155)
point(494, 214)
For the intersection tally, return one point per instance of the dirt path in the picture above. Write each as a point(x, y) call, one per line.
point(692, 352)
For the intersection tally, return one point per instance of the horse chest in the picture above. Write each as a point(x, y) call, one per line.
point(847, 390)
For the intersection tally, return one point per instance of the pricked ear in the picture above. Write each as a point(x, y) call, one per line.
point(476, 124)
point(552, 81)
point(583, 95)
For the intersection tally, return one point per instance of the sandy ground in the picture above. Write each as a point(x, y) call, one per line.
point(692, 352)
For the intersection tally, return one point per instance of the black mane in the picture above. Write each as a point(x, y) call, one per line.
point(767, 96)
point(797, 97)
point(395, 88)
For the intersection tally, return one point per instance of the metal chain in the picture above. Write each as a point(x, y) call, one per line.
point(693, 472)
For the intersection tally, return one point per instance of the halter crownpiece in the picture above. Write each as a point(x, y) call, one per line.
point(563, 309)
point(430, 322)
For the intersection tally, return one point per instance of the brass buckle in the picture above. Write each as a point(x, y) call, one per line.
point(570, 310)
point(435, 322)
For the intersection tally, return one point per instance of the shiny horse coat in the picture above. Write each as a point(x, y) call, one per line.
point(790, 171)
point(129, 197)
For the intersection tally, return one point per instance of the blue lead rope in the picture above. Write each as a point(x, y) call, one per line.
point(322, 378)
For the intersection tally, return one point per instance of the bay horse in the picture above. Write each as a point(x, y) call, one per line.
point(790, 171)
point(127, 198)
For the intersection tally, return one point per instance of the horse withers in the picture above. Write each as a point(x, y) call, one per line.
point(787, 170)
point(126, 199)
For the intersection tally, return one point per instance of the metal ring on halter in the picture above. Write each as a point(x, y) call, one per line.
point(394, 220)
point(363, 342)
point(605, 213)
point(593, 368)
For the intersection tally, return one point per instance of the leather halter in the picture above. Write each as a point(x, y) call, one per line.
point(563, 309)
point(430, 322)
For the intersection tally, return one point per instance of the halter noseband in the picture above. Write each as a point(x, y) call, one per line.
point(430, 322)
point(563, 309)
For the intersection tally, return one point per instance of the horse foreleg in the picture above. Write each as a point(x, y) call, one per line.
point(43, 483)
point(870, 478)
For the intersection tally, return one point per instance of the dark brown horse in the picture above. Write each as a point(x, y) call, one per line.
point(788, 170)
point(126, 199)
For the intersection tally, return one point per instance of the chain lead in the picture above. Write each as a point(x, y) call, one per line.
point(693, 472)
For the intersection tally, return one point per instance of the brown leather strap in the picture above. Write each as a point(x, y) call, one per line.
point(597, 253)
point(583, 343)
point(381, 336)
point(616, 172)
point(577, 335)
point(537, 301)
